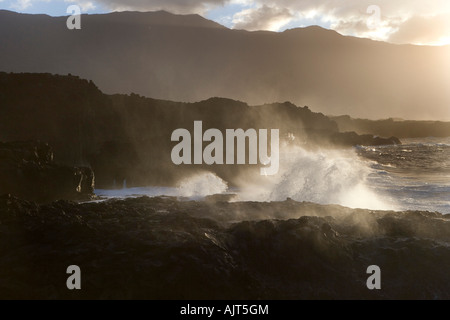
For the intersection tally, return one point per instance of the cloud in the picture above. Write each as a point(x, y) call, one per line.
point(401, 21)
point(263, 18)
point(21, 4)
point(83, 4)
point(423, 30)
point(174, 6)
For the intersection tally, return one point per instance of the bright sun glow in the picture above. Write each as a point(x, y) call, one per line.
point(442, 42)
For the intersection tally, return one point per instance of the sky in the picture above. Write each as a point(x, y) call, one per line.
point(421, 22)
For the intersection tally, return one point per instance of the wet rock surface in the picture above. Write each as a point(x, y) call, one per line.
point(27, 170)
point(162, 248)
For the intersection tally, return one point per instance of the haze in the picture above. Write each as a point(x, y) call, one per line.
point(189, 58)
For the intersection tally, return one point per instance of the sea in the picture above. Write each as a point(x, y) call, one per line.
point(296, 235)
point(413, 176)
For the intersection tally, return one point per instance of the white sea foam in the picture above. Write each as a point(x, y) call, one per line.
point(195, 187)
point(333, 177)
point(325, 177)
point(201, 185)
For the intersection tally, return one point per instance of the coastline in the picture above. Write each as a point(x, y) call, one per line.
point(162, 248)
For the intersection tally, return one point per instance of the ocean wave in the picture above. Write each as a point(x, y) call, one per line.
point(195, 187)
point(325, 177)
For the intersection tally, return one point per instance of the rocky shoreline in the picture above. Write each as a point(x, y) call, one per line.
point(128, 137)
point(164, 248)
point(28, 170)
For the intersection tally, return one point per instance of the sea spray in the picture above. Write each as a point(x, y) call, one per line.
point(324, 176)
point(201, 185)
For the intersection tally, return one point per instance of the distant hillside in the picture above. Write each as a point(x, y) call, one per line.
point(189, 58)
point(391, 127)
point(129, 136)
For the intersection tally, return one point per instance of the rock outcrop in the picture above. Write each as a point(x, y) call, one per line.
point(394, 127)
point(128, 137)
point(164, 249)
point(352, 138)
point(27, 170)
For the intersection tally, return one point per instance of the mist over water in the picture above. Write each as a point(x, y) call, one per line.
point(195, 187)
point(324, 177)
point(202, 185)
point(412, 176)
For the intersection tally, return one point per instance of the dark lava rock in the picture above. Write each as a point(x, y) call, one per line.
point(27, 170)
point(162, 248)
point(353, 139)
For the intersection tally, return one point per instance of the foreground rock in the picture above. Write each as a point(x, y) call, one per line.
point(161, 248)
point(27, 170)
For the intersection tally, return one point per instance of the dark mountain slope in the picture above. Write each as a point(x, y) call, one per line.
point(188, 58)
point(129, 136)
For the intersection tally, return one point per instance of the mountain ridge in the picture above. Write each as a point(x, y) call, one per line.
point(310, 66)
point(128, 137)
